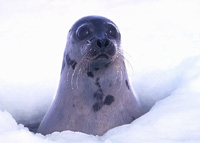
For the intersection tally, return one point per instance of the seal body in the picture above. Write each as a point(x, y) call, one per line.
point(94, 93)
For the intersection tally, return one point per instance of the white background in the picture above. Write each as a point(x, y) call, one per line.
point(161, 42)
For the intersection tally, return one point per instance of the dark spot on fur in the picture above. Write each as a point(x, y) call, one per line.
point(90, 74)
point(109, 100)
point(71, 62)
point(98, 94)
point(127, 85)
point(96, 69)
point(97, 83)
point(107, 65)
point(73, 105)
point(97, 106)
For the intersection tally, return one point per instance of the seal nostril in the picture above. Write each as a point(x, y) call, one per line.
point(102, 43)
point(106, 43)
point(99, 43)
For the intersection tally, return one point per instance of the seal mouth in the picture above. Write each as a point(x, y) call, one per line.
point(102, 56)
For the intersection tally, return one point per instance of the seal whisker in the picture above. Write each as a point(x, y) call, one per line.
point(122, 77)
point(77, 78)
point(117, 67)
point(72, 78)
point(119, 60)
point(77, 68)
point(68, 75)
point(73, 74)
point(124, 57)
point(83, 65)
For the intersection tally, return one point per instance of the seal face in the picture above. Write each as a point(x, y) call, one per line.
point(97, 39)
point(94, 93)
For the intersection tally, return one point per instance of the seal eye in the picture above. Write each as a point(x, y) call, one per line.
point(82, 32)
point(112, 31)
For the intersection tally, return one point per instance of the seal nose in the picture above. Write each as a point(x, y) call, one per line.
point(102, 43)
point(102, 48)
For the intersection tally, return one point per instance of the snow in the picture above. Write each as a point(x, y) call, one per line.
point(161, 42)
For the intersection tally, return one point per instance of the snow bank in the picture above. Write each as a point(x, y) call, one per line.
point(161, 42)
point(174, 119)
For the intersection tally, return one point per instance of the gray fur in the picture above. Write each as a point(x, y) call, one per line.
point(91, 99)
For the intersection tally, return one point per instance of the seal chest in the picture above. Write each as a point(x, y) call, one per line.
point(94, 93)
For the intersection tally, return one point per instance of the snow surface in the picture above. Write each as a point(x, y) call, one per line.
point(161, 42)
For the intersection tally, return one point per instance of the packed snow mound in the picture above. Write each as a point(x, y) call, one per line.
point(173, 119)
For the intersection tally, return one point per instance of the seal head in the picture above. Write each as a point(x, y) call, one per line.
point(96, 38)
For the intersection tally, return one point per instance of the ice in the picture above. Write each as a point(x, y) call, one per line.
point(161, 43)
